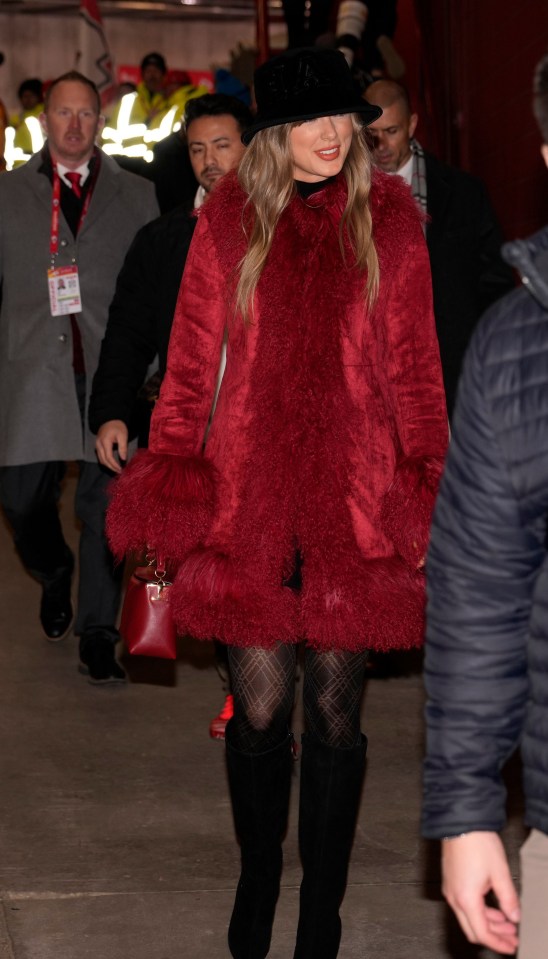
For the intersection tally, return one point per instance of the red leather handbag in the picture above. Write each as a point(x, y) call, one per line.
point(146, 624)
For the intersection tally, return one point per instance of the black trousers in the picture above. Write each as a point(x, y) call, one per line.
point(29, 496)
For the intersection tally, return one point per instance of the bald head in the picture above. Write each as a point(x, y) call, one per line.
point(393, 131)
point(385, 93)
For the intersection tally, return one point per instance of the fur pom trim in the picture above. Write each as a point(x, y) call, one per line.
point(406, 510)
point(380, 607)
point(209, 575)
point(161, 501)
point(211, 600)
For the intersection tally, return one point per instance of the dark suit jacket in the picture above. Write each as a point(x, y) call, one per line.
point(40, 417)
point(140, 318)
point(468, 273)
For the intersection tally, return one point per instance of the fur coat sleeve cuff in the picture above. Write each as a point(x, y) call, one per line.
point(163, 502)
point(406, 511)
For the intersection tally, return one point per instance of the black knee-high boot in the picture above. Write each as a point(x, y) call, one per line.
point(331, 784)
point(259, 789)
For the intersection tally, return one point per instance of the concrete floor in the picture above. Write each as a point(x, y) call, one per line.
point(116, 837)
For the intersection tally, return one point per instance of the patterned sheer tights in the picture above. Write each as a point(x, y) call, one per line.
point(263, 684)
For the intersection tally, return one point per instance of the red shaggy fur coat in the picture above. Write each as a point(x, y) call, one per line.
point(328, 435)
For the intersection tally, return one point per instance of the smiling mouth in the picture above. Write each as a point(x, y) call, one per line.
point(331, 154)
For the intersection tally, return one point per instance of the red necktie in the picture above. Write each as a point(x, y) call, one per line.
point(74, 182)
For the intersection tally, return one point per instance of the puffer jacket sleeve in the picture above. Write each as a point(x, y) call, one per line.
point(166, 495)
point(481, 571)
point(417, 398)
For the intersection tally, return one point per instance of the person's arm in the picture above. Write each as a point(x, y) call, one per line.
point(166, 494)
point(130, 342)
point(417, 398)
point(182, 411)
point(474, 865)
point(482, 567)
point(351, 21)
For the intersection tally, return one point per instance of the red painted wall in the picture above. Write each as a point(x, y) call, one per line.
point(501, 44)
point(477, 59)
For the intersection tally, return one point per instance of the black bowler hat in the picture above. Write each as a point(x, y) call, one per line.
point(304, 84)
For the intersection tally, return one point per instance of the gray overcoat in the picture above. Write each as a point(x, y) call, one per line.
point(39, 415)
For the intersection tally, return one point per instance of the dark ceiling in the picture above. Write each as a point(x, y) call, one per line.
point(157, 9)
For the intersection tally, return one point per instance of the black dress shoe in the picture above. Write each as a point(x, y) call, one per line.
point(56, 608)
point(97, 659)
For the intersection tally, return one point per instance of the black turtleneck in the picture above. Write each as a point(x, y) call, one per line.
point(307, 189)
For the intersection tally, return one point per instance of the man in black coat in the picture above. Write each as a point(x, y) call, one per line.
point(462, 232)
point(143, 307)
point(141, 313)
point(486, 663)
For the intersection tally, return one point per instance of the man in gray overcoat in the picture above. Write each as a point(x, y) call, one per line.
point(67, 218)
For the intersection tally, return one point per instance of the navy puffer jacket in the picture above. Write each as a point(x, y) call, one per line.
point(486, 667)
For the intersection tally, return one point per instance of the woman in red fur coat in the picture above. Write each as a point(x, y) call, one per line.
point(306, 517)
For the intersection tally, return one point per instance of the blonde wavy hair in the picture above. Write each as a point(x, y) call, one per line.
point(267, 177)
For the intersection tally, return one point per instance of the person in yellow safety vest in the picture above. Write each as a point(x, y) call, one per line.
point(151, 101)
point(152, 96)
point(155, 99)
point(30, 94)
point(181, 93)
